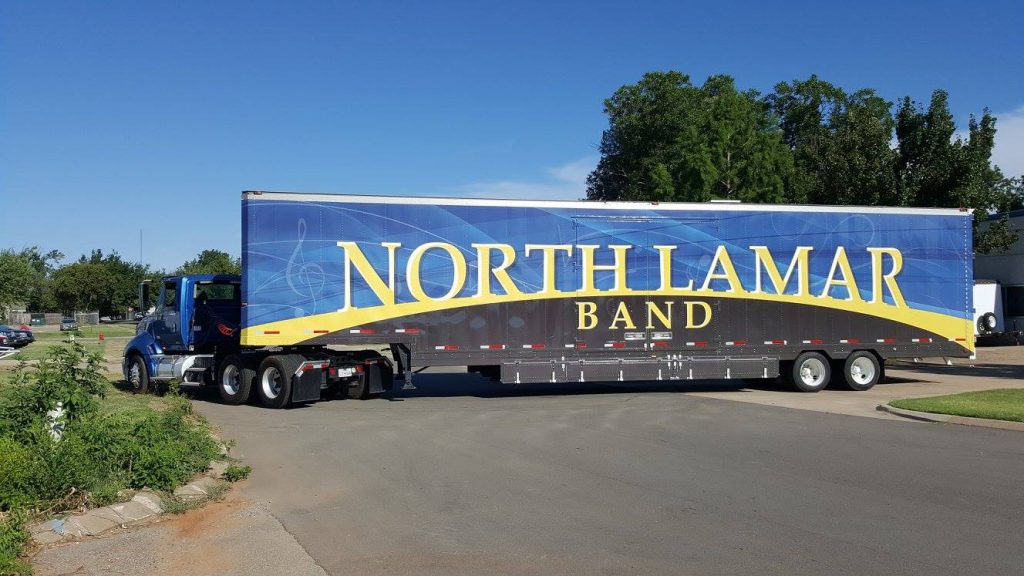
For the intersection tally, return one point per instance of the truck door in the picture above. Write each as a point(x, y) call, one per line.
point(167, 327)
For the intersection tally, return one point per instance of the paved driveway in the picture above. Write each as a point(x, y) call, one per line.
point(464, 476)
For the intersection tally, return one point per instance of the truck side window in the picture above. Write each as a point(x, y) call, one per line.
point(170, 296)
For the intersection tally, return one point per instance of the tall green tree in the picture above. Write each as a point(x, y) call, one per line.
point(16, 278)
point(935, 167)
point(671, 140)
point(83, 286)
point(841, 143)
point(43, 264)
point(211, 262)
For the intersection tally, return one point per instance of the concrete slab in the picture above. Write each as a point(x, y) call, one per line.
point(189, 491)
point(150, 500)
point(88, 524)
point(217, 468)
point(109, 513)
point(47, 537)
point(133, 511)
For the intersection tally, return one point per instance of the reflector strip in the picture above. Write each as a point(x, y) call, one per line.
point(736, 343)
point(362, 331)
point(921, 340)
point(271, 331)
point(407, 331)
point(850, 341)
point(698, 344)
point(447, 347)
point(535, 346)
point(886, 340)
point(614, 344)
point(321, 331)
point(960, 339)
point(777, 342)
point(492, 346)
point(815, 341)
point(661, 344)
point(581, 345)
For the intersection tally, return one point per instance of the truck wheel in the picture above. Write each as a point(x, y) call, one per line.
point(810, 372)
point(861, 370)
point(360, 389)
point(274, 381)
point(234, 380)
point(138, 374)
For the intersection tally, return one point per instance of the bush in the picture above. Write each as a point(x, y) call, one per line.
point(97, 453)
point(234, 472)
point(13, 538)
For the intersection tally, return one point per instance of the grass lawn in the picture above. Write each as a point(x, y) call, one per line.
point(995, 404)
point(86, 332)
point(38, 349)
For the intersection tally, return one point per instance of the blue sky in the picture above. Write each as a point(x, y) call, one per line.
point(121, 116)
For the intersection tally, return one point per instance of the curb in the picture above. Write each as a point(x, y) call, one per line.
point(144, 506)
point(951, 419)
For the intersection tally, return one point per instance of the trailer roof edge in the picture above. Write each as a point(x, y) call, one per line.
point(591, 204)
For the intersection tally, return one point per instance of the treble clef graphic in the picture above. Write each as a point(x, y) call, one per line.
point(304, 278)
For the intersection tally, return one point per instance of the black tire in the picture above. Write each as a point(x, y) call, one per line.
point(810, 372)
point(274, 380)
point(138, 374)
point(360, 388)
point(987, 323)
point(234, 379)
point(861, 371)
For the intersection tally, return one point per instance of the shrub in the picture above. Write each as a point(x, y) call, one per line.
point(13, 538)
point(234, 472)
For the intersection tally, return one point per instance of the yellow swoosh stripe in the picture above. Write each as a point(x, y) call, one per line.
point(293, 330)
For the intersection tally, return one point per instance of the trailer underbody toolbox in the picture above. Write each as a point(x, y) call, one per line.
point(634, 369)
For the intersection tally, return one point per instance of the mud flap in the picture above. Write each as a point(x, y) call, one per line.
point(306, 385)
point(379, 378)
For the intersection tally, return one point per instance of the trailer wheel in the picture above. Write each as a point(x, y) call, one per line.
point(234, 380)
point(138, 374)
point(274, 380)
point(861, 370)
point(810, 372)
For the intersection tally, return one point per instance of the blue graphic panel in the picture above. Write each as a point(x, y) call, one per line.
point(293, 266)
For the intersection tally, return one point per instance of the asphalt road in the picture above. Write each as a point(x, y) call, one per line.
point(464, 476)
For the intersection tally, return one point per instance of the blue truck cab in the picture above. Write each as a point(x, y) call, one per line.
point(192, 324)
point(192, 335)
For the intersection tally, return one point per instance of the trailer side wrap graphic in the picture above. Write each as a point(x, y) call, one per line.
point(470, 275)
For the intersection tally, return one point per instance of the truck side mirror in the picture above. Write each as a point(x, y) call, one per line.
point(144, 296)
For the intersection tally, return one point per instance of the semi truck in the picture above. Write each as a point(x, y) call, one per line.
point(347, 294)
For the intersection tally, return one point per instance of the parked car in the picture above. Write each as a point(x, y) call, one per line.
point(15, 337)
point(68, 324)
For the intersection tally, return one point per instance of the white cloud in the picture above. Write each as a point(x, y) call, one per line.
point(1009, 150)
point(565, 182)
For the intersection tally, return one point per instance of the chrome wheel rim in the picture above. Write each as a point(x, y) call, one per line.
point(230, 380)
point(271, 383)
point(812, 372)
point(862, 370)
point(135, 375)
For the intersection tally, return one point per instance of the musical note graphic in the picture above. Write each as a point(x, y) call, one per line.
point(306, 279)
